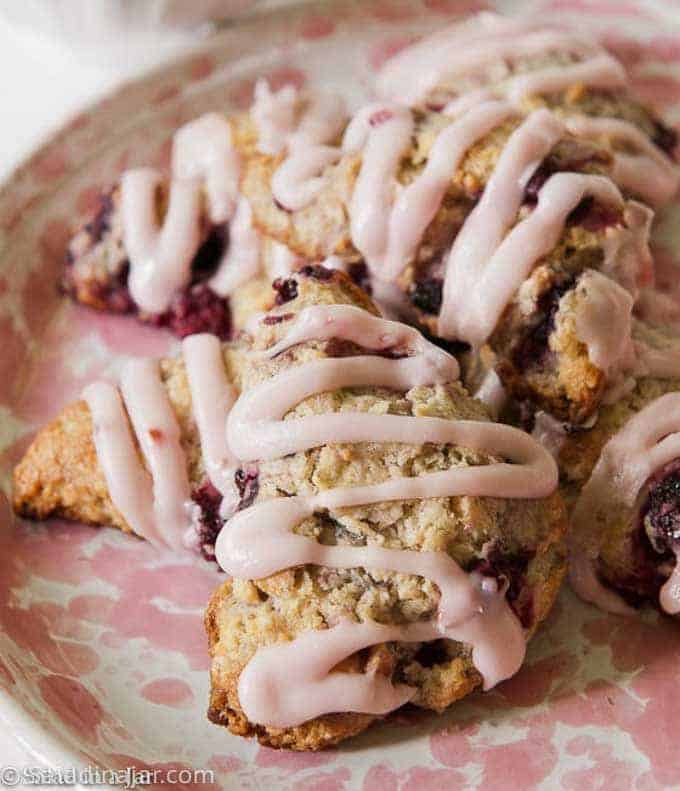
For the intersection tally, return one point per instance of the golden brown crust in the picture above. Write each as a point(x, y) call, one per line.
point(314, 735)
point(60, 476)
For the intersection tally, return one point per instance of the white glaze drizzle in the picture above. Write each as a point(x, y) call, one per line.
point(647, 443)
point(648, 172)
point(156, 501)
point(382, 132)
point(160, 258)
point(204, 162)
point(492, 393)
point(471, 609)
point(462, 52)
point(305, 138)
point(242, 259)
point(480, 278)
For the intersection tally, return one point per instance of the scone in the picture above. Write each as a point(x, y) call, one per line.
point(97, 274)
point(183, 253)
point(122, 464)
point(535, 65)
point(425, 558)
point(621, 480)
point(381, 512)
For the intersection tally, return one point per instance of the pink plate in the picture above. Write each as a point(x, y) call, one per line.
point(103, 657)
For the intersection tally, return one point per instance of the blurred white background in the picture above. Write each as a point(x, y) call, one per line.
point(58, 55)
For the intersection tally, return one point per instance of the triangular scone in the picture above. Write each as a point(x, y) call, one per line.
point(322, 228)
point(60, 474)
point(227, 276)
point(518, 540)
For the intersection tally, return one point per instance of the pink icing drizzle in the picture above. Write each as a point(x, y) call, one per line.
point(383, 133)
point(203, 160)
point(156, 503)
point(648, 441)
point(585, 583)
point(549, 432)
point(418, 203)
point(603, 320)
point(212, 397)
point(463, 51)
point(203, 149)
point(649, 172)
point(128, 481)
point(298, 179)
point(471, 609)
point(602, 71)
point(242, 259)
point(604, 323)
point(483, 271)
point(492, 393)
point(159, 258)
point(153, 503)
point(471, 315)
point(274, 114)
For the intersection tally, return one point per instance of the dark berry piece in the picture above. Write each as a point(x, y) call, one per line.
point(661, 512)
point(101, 222)
point(317, 272)
point(533, 349)
point(199, 309)
point(208, 499)
point(427, 295)
point(268, 321)
point(359, 274)
point(248, 484)
point(210, 253)
point(594, 216)
point(512, 569)
point(432, 653)
point(286, 290)
point(665, 137)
